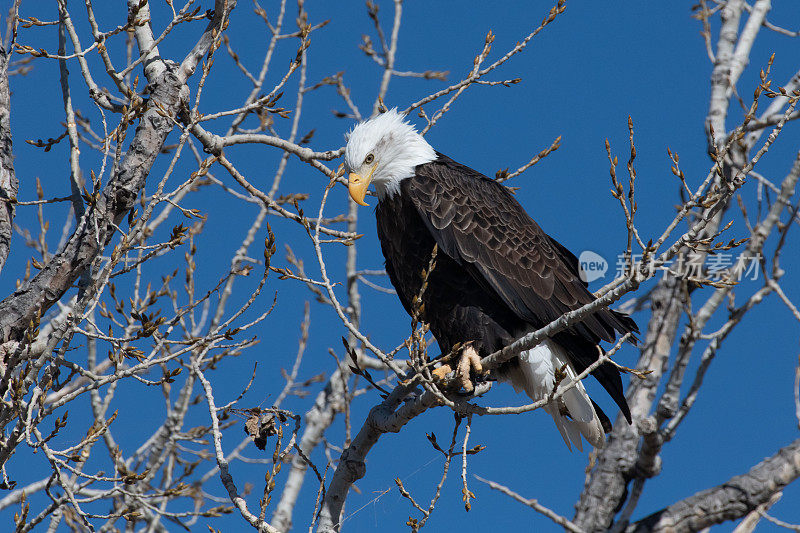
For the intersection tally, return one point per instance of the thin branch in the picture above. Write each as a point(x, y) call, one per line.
point(533, 504)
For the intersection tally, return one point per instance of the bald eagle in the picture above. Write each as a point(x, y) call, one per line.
point(497, 274)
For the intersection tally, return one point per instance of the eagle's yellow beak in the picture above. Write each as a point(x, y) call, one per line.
point(357, 185)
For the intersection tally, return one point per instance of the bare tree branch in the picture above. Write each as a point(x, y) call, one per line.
point(8, 179)
point(387, 417)
point(730, 500)
point(533, 504)
point(168, 93)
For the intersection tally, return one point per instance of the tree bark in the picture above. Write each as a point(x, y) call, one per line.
point(99, 223)
point(729, 501)
point(607, 486)
point(8, 179)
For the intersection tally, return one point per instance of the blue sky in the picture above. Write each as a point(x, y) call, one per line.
point(581, 79)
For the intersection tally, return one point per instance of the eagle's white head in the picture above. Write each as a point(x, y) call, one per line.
point(383, 150)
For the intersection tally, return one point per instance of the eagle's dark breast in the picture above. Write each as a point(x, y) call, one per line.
point(497, 273)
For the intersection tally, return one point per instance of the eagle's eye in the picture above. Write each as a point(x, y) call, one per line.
point(369, 159)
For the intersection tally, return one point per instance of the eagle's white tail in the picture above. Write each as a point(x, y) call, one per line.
point(573, 413)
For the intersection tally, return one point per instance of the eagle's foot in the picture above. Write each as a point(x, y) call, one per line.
point(468, 361)
point(440, 373)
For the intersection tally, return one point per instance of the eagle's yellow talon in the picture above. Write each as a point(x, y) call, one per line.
point(440, 374)
point(469, 360)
